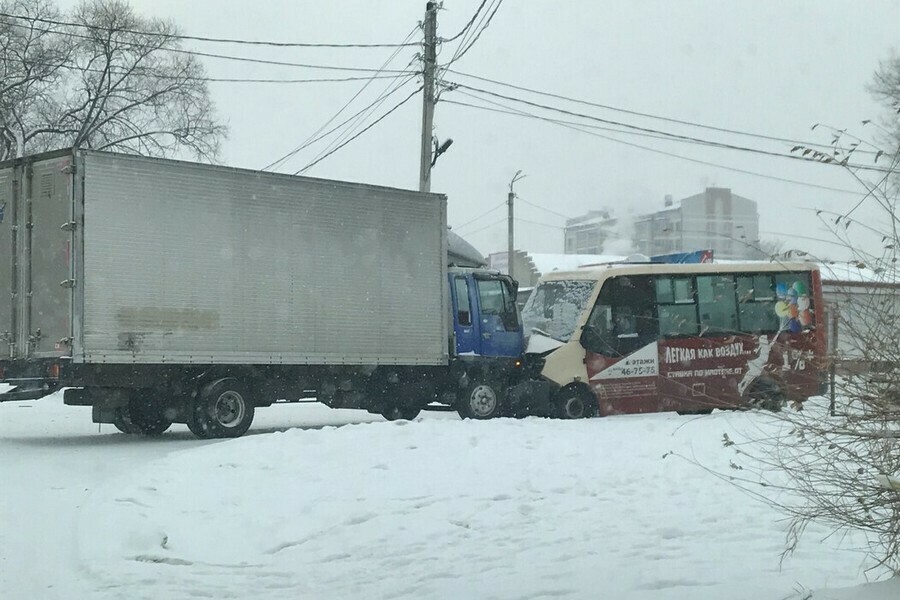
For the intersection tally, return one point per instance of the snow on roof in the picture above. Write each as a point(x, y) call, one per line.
point(547, 263)
point(857, 273)
point(588, 221)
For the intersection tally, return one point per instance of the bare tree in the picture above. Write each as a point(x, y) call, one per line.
point(32, 57)
point(885, 87)
point(124, 84)
point(839, 465)
point(770, 248)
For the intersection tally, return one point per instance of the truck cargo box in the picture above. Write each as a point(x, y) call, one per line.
point(131, 260)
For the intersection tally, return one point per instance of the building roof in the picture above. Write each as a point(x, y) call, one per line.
point(590, 218)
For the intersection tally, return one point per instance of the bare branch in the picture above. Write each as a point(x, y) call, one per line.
point(115, 87)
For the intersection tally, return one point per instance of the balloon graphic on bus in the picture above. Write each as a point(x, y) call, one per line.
point(793, 306)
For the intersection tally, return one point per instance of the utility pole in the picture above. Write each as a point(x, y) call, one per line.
point(511, 223)
point(430, 65)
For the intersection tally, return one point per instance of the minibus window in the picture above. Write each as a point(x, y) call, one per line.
point(676, 306)
point(623, 319)
point(716, 301)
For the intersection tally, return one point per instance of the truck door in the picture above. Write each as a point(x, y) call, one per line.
point(501, 327)
point(8, 252)
point(465, 326)
point(47, 244)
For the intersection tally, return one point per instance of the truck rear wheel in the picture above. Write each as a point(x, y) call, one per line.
point(122, 421)
point(193, 423)
point(150, 424)
point(222, 409)
point(481, 401)
point(141, 416)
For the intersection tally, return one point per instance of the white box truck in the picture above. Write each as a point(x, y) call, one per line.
point(160, 291)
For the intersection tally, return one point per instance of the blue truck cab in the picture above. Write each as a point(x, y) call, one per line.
point(486, 321)
point(486, 342)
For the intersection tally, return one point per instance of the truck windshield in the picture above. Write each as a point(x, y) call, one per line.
point(554, 307)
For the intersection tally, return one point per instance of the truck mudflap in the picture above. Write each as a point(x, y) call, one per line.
point(28, 389)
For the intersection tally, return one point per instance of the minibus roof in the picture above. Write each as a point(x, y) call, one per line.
point(598, 272)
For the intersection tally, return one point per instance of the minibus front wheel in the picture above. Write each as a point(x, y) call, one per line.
point(575, 402)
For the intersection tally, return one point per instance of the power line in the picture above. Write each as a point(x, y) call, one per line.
point(494, 224)
point(462, 48)
point(166, 77)
point(279, 63)
point(557, 121)
point(312, 138)
point(357, 119)
point(195, 38)
point(654, 150)
point(288, 81)
point(540, 224)
point(460, 52)
point(465, 33)
point(370, 126)
point(673, 136)
point(468, 25)
point(805, 237)
point(229, 57)
point(484, 214)
point(657, 136)
point(552, 212)
point(646, 115)
point(468, 33)
point(835, 224)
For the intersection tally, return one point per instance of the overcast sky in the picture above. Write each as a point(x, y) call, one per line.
point(773, 67)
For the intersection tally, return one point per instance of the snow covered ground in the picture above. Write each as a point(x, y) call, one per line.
point(316, 503)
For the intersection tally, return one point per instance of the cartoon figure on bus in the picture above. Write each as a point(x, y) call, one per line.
point(756, 365)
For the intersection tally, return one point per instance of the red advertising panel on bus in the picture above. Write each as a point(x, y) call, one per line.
point(692, 342)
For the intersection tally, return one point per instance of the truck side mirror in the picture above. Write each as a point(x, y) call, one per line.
point(512, 286)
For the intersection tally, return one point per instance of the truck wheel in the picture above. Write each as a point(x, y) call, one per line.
point(574, 403)
point(481, 401)
point(140, 417)
point(193, 423)
point(396, 413)
point(122, 421)
point(147, 415)
point(150, 424)
point(222, 409)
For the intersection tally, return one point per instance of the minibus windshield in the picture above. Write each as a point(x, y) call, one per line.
point(554, 307)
